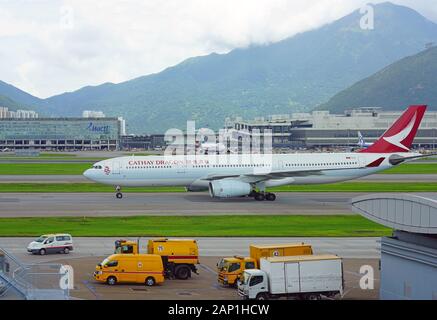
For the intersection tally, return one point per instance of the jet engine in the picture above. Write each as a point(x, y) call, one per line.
point(228, 188)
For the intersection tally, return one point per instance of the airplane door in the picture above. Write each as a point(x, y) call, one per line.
point(116, 167)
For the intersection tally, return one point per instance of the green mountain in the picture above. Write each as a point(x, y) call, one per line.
point(295, 74)
point(9, 103)
point(17, 97)
point(412, 80)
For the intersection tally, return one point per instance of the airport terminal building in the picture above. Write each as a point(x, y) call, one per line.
point(62, 133)
point(321, 129)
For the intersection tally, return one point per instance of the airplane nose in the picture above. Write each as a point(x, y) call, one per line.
point(87, 174)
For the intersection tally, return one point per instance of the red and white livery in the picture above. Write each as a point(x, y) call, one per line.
point(236, 175)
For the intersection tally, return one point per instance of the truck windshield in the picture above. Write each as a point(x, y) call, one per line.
point(230, 266)
point(124, 249)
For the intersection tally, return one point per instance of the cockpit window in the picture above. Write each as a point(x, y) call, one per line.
point(97, 167)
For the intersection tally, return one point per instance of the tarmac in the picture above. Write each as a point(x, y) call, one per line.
point(171, 204)
point(168, 204)
point(87, 252)
point(348, 247)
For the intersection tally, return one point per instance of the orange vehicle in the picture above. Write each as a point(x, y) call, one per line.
point(179, 256)
point(130, 268)
point(231, 268)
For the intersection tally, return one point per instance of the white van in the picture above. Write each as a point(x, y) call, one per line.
point(51, 243)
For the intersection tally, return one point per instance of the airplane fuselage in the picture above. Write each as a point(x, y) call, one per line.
point(195, 170)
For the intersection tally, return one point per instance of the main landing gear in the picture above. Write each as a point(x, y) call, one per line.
point(261, 196)
point(118, 193)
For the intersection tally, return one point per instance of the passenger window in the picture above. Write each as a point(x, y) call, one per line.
point(255, 280)
point(250, 265)
point(60, 238)
point(50, 240)
point(234, 267)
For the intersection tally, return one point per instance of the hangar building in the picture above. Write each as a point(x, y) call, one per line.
point(61, 133)
point(409, 256)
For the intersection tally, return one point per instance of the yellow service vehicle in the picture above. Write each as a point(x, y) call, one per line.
point(179, 256)
point(132, 268)
point(231, 268)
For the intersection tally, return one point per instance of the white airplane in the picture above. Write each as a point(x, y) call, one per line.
point(361, 142)
point(208, 147)
point(236, 175)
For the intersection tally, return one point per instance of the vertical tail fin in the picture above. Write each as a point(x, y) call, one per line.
point(361, 141)
point(399, 137)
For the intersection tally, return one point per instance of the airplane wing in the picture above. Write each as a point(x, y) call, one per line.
point(263, 176)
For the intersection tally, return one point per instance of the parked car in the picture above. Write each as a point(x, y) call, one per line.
point(51, 243)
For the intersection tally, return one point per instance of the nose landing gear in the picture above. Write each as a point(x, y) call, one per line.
point(118, 193)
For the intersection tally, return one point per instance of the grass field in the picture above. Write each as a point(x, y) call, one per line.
point(199, 226)
point(413, 168)
point(43, 168)
point(337, 187)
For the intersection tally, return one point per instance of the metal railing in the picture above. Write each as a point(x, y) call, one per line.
point(31, 281)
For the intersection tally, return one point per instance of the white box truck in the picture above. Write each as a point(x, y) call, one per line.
point(303, 277)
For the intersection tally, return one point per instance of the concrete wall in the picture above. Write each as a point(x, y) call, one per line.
point(408, 267)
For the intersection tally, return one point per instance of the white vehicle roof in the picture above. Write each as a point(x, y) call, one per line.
point(303, 258)
point(254, 272)
point(56, 234)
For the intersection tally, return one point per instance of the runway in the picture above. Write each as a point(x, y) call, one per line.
point(196, 203)
point(82, 179)
point(219, 247)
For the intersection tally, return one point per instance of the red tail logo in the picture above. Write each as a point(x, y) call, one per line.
point(399, 137)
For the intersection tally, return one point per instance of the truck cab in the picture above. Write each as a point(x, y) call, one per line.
point(253, 285)
point(179, 256)
point(230, 269)
point(126, 247)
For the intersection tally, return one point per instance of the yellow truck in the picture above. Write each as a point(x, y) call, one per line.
point(231, 268)
point(130, 268)
point(179, 256)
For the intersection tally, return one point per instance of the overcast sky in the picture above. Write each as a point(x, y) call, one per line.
point(50, 46)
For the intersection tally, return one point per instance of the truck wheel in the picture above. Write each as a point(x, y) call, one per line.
point(111, 280)
point(182, 272)
point(261, 296)
point(42, 252)
point(150, 282)
point(66, 251)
